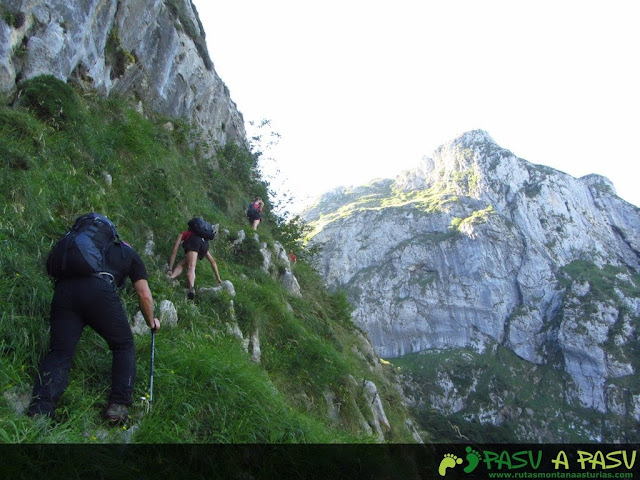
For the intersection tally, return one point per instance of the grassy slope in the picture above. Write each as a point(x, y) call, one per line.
point(56, 148)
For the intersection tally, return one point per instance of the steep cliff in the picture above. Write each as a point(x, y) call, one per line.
point(480, 251)
point(151, 49)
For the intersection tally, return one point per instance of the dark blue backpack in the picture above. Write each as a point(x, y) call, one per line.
point(81, 252)
point(202, 228)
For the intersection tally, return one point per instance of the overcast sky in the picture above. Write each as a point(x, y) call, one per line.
point(360, 89)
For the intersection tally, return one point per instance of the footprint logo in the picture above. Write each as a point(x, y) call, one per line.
point(473, 457)
point(449, 461)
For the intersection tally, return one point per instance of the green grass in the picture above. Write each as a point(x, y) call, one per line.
point(430, 201)
point(476, 218)
point(58, 146)
point(602, 281)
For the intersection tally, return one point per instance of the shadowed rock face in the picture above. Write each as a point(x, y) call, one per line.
point(151, 49)
point(477, 248)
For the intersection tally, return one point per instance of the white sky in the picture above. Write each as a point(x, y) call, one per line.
point(360, 89)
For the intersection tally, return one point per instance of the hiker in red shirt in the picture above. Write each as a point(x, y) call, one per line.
point(195, 248)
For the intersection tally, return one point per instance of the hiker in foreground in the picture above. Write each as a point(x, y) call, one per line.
point(88, 265)
point(196, 247)
point(254, 212)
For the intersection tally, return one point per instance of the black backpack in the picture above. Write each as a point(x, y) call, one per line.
point(202, 228)
point(81, 252)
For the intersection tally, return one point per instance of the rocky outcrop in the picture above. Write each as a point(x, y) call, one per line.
point(380, 421)
point(276, 262)
point(477, 248)
point(153, 50)
point(372, 419)
point(225, 286)
point(166, 313)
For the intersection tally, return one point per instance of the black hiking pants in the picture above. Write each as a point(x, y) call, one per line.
point(78, 302)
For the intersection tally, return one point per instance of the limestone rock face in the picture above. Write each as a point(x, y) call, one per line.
point(225, 286)
point(290, 283)
point(152, 49)
point(479, 249)
point(166, 313)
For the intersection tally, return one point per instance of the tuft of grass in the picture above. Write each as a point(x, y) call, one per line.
point(51, 101)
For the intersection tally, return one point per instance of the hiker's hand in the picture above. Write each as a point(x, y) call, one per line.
point(156, 325)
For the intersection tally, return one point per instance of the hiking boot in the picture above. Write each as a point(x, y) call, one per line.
point(116, 413)
point(41, 420)
point(192, 294)
point(37, 410)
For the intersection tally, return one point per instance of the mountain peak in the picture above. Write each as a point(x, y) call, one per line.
point(473, 137)
point(478, 248)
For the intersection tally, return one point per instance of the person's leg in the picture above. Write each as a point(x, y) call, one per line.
point(255, 223)
point(191, 260)
point(106, 315)
point(53, 377)
point(178, 270)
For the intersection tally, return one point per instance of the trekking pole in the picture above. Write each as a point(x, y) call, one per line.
point(153, 344)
